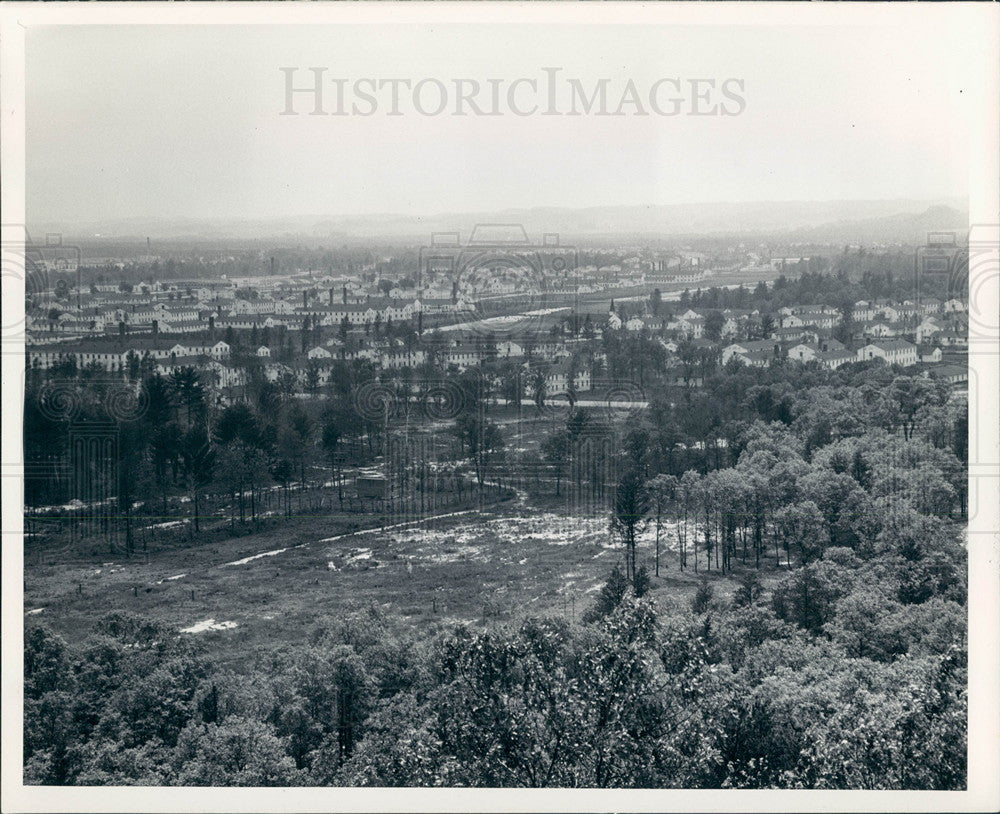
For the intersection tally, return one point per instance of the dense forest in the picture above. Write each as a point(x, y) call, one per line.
point(833, 682)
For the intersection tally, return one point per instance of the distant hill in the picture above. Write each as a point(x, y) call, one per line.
point(899, 228)
point(834, 221)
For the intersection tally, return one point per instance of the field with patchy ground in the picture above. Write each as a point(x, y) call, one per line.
point(272, 587)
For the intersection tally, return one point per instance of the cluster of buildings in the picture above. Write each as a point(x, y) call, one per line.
point(904, 334)
point(454, 350)
point(187, 307)
point(297, 327)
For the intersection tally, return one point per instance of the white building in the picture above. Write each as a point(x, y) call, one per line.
point(402, 358)
point(750, 351)
point(891, 351)
point(928, 328)
point(557, 380)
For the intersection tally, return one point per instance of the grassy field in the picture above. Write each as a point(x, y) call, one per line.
point(276, 585)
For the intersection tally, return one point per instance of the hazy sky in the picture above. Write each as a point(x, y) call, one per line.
point(183, 121)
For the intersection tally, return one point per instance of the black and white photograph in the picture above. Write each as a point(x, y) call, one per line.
point(422, 406)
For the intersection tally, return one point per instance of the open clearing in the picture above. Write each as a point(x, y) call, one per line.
point(280, 583)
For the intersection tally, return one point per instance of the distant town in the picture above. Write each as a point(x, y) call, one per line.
point(295, 327)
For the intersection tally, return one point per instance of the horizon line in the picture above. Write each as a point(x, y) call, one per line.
point(121, 219)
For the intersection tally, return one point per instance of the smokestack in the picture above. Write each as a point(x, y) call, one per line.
point(345, 295)
point(156, 327)
point(454, 292)
point(331, 298)
point(211, 328)
point(305, 297)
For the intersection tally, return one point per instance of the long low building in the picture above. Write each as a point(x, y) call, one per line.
point(110, 355)
point(891, 351)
